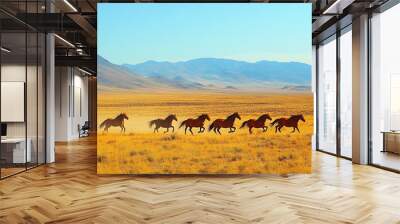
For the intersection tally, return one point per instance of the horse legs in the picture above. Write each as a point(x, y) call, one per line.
point(215, 130)
point(190, 129)
point(298, 129)
point(294, 129)
point(265, 128)
point(186, 129)
point(201, 130)
point(219, 132)
point(230, 129)
point(280, 127)
point(276, 129)
point(173, 129)
point(250, 130)
point(106, 128)
point(166, 130)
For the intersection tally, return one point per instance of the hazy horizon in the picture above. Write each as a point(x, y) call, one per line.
point(165, 61)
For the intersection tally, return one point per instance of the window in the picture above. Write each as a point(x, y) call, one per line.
point(346, 93)
point(23, 77)
point(385, 89)
point(327, 96)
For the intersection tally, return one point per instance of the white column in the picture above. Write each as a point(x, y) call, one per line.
point(50, 98)
point(360, 90)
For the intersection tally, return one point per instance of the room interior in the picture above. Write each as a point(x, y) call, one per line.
point(22, 102)
point(49, 91)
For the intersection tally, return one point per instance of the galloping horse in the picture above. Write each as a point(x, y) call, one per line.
point(259, 123)
point(288, 122)
point(117, 121)
point(224, 123)
point(195, 123)
point(164, 123)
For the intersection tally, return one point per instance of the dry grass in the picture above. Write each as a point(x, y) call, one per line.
point(139, 151)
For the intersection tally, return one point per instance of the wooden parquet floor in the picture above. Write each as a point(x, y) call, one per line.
point(69, 191)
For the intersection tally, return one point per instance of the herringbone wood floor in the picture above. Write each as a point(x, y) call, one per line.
point(69, 191)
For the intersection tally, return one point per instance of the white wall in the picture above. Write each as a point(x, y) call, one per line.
point(62, 81)
point(33, 127)
point(71, 102)
point(16, 73)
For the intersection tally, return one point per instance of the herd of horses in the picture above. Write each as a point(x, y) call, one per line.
point(216, 125)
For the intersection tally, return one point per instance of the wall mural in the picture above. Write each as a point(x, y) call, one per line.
point(204, 88)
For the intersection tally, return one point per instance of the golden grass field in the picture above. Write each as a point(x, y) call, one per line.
point(140, 151)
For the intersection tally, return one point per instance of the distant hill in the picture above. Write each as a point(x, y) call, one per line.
point(226, 70)
point(112, 76)
point(205, 73)
point(116, 76)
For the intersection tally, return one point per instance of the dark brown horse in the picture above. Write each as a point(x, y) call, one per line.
point(117, 121)
point(164, 123)
point(288, 122)
point(224, 123)
point(259, 123)
point(195, 123)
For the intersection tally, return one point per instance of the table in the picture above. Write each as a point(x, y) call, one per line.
point(17, 150)
point(391, 141)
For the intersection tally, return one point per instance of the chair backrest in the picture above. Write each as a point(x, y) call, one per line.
point(86, 125)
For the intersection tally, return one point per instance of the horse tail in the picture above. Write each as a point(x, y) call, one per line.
point(211, 126)
point(151, 123)
point(183, 123)
point(244, 124)
point(103, 123)
point(274, 122)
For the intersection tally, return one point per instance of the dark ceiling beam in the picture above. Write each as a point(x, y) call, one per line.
point(91, 5)
point(322, 23)
point(77, 61)
point(331, 30)
point(338, 6)
point(85, 25)
point(49, 22)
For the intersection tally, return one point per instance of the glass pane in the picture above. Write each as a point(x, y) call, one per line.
point(346, 94)
point(13, 86)
point(327, 97)
point(41, 99)
point(385, 114)
point(31, 100)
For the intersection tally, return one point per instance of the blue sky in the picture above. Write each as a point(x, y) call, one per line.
point(135, 33)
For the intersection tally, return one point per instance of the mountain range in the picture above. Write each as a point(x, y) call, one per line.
point(206, 73)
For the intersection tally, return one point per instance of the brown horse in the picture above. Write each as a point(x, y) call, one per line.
point(164, 123)
point(259, 123)
point(288, 122)
point(224, 123)
point(195, 123)
point(117, 121)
